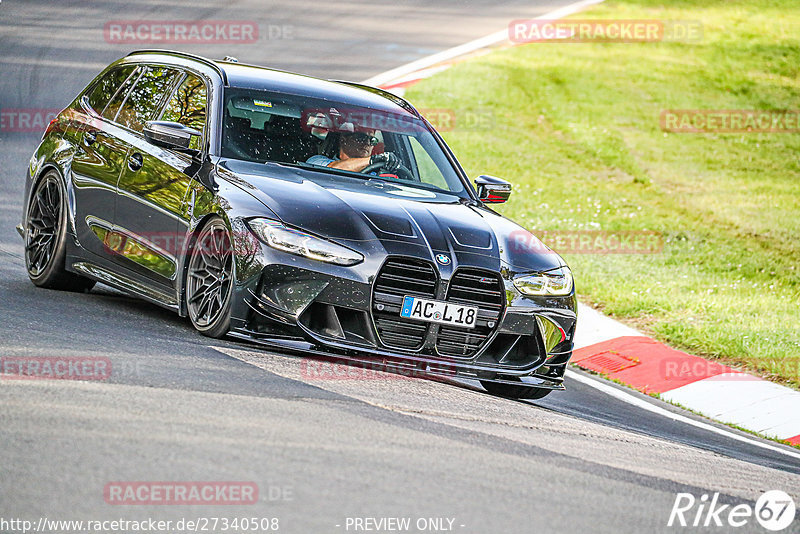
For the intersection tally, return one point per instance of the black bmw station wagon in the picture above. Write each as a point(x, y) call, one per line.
point(321, 216)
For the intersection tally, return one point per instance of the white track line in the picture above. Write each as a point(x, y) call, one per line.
point(466, 48)
point(645, 405)
point(494, 38)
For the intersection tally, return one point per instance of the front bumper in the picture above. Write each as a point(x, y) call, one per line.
point(300, 304)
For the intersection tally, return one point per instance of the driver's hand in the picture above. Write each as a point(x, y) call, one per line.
point(388, 160)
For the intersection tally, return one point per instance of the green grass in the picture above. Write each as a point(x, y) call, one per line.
point(575, 128)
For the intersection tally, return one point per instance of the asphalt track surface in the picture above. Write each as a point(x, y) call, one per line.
point(181, 407)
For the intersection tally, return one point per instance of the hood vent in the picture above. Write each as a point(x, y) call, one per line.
point(390, 225)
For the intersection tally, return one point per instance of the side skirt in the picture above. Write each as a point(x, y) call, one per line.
point(128, 285)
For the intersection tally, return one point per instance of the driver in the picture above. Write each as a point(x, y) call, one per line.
point(354, 154)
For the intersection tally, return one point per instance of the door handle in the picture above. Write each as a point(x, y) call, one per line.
point(135, 162)
point(90, 137)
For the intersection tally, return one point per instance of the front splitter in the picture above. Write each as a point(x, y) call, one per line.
point(405, 365)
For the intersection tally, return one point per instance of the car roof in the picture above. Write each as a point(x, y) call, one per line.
point(242, 75)
point(255, 77)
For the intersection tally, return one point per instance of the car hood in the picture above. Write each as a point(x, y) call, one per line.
point(374, 216)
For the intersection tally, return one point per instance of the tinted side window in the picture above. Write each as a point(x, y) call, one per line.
point(145, 97)
point(113, 106)
point(105, 88)
point(188, 106)
point(429, 173)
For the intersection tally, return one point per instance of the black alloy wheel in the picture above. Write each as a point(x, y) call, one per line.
point(209, 280)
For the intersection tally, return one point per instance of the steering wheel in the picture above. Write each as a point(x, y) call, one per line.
point(401, 171)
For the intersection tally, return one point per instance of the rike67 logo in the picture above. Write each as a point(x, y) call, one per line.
point(774, 510)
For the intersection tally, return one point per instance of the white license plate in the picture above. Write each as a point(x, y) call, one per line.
point(437, 311)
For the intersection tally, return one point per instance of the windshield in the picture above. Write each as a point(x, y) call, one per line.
point(260, 126)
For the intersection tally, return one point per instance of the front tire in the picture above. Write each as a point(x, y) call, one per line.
point(209, 280)
point(514, 391)
point(46, 237)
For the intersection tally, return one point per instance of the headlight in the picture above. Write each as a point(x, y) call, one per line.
point(557, 282)
point(293, 241)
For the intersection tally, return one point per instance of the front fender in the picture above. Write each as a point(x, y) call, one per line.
point(233, 205)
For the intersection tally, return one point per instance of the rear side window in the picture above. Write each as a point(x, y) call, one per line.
point(113, 106)
point(146, 97)
point(104, 89)
point(188, 106)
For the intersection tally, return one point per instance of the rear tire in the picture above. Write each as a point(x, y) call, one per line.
point(209, 280)
point(514, 391)
point(46, 233)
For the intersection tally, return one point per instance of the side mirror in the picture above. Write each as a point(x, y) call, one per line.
point(492, 190)
point(169, 134)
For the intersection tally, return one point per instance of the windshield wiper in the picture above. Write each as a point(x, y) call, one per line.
point(367, 177)
point(329, 170)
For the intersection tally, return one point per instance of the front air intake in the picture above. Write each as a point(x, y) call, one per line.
point(397, 278)
point(483, 289)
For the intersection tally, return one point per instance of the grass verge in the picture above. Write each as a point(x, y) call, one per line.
point(575, 128)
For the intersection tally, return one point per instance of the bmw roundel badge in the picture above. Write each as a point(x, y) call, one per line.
point(441, 258)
